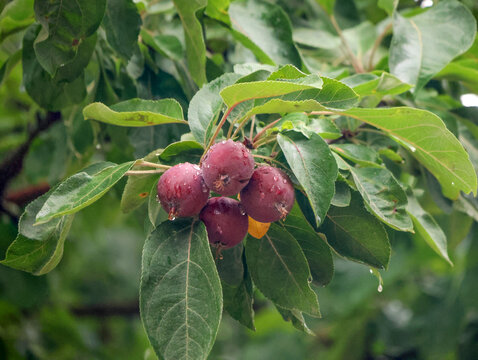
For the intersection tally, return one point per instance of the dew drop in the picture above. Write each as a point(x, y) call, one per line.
point(284, 181)
point(217, 212)
point(371, 271)
point(156, 154)
point(380, 288)
point(412, 148)
point(98, 146)
point(275, 178)
point(223, 141)
point(157, 198)
point(262, 195)
point(172, 218)
point(241, 209)
point(452, 183)
point(219, 230)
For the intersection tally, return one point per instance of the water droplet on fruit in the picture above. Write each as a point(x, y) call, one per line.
point(217, 212)
point(275, 178)
point(208, 166)
point(223, 141)
point(284, 181)
point(272, 188)
point(241, 209)
point(262, 195)
point(157, 198)
point(219, 230)
point(380, 288)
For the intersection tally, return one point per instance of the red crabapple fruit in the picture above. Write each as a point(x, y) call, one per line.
point(269, 196)
point(182, 191)
point(226, 221)
point(227, 167)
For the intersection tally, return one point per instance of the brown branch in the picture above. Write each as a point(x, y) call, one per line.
point(107, 310)
point(12, 165)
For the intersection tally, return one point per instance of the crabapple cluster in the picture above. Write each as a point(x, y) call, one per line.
point(266, 193)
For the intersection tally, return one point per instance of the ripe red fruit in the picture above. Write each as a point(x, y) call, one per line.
point(227, 167)
point(269, 196)
point(182, 191)
point(226, 221)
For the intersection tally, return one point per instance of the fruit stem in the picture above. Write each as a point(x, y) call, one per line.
point(357, 65)
point(265, 141)
point(267, 127)
point(144, 172)
point(268, 158)
point(252, 126)
point(219, 126)
point(150, 164)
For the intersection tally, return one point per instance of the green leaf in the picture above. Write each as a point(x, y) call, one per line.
point(38, 249)
point(182, 151)
point(327, 5)
point(166, 45)
point(275, 259)
point(237, 93)
point(195, 47)
point(16, 16)
point(206, 105)
point(373, 87)
point(296, 318)
point(424, 44)
point(383, 196)
point(388, 5)
point(65, 24)
point(265, 29)
point(465, 70)
point(325, 128)
point(180, 295)
point(49, 92)
point(429, 141)
point(138, 187)
point(136, 112)
point(314, 247)
point(236, 285)
point(427, 228)
point(360, 154)
point(342, 194)
point(357, 235)
point(81, 190)
point(122, 24)
point(314, 166)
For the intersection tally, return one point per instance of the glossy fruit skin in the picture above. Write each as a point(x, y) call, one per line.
point(269, 196)
point(182, 191)
point(226, 221)
point(227, 167)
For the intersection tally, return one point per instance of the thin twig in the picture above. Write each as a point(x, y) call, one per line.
point(267, 127)
point(377, 43)
point(252, 126)
point(321, 113)
point(357, 65)
point(150, 164)
point(144, 172)
point(219, 126)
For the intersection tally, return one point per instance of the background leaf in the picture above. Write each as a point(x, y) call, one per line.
point(180, 298)
point(65, 24)
point(424, 44)
point(195, 48)
point(266, 30)
point(122, 24)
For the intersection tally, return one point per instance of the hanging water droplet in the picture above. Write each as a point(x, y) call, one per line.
point(223, 141)
point(172, 218)
point(371, 271)
point(452, 183)
point(98, 146)
point(380, 288)
point(157, 198)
